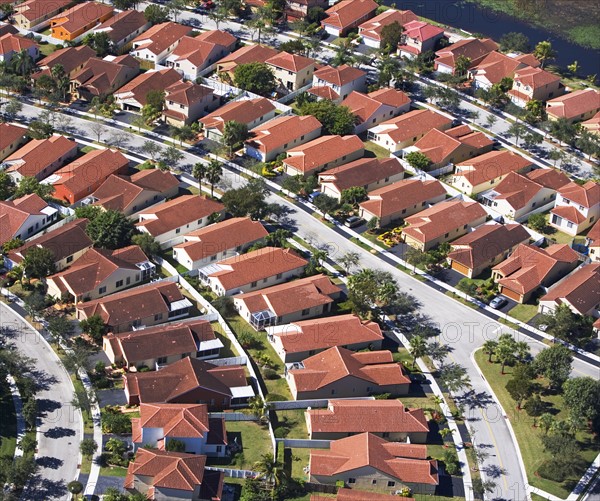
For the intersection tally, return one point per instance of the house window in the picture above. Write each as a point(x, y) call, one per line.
point(119, 284)
point(177, 230)
point(213, 257)
point(253, 284)
point(69, 259)
point(199, 221)
point(219, 448)
point(127, 280)
point(102, 289)
point(569, 224)
point(158, 317)
point(279, 275)
point(446, 235)
point(385, 434)
point(465, 227)
point(391, 483)
point(305, 311)
point(374, 482)
point(333, 392)
point(161, 360)
point(351, 480)
point(581, 207)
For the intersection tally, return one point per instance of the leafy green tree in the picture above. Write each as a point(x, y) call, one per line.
point(224, 305)
point(185, 133)
point(514, 42)
point(88, 447)
point(30, 412)
point(391, 35)
point(326, 204)
point(349, 260)
point(12, 109)
point(147, 243)
point(563, 130)
point(544, 52)
point(39, 262)
point(534, 406)
point(100, 42)
point(218, 14)
point(270, 471)
point(588, 143)
point(75, 488)
point(335, 119)
point(249, 200)
point(7, 186)
point(278, 238)
point(519, 389)
point(582, 395)
point(373, 224)
point(505, 351)
point(28, 444)
point(155, 14)
point(344, 54)
point(110, 230)
point(94, 327)
point(78, 357)
point(354, 195)
point(537, 222)
point(115, 422)
point(535, 111)
point(22, 63)
point(199, 171)
point(293, 46)
point(174, 445)
point(564, 324)
point(554, 363)
point(489, 348)
point(516, 130)
point(234, 133)
point(39, 129)
point(461, 65)
point(418, 160)
point(371, 291)
point(255, 77)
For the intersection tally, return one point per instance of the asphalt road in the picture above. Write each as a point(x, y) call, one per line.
point(59, 424)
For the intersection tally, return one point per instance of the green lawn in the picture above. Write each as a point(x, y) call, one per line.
point(528, 436)
point(524, 312)
point(87, 149)
point(556, 235)
point(300, 460)
point(8, 422)
point(228, 349)
point(461, 300)
point(88, 424)
point(254, 439)
point(376, 150)
point(293, 421)
point(113, 471)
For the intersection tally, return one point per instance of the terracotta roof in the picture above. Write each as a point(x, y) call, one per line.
point(324, 92)
point(161, 340)
point(122, 24)
point(291, 296)
point(594, 235)
point(396, 197)
point(133, 304)
point(91, 168)
point(160, 37)
point(282, 130)
point(15, 43)
point(517, 190)
point(580, 289)
point(99, 76)
point(439, 145)
point(587, 194)
point(323, 333)
point(535, 77)
point(340, 76)
point(406, 462)
point(574, 104)
point(175, 420)
point(247, 54)
point(411, 124)
point(38, 154)
point(361, 172)
point(550, 178)
point(593, 124)
point(473, 48)
point(14, 213)
point(528, 267)
point(365, 106)
point(222, 236)
point(421, 31)
point(373, 416)
point(569, 213)
point(187, 93)
point(78, 17)
point(10, 133)
point(176, 213)
point(336, 364)
point(347, 12)
point(181, 377)
point(373, 27)
point(218, 37)
point(491, 165)
point(290, 62)
point(194, 50)
point(256, 265)
point(529, 60)
point(33, 10)
point(496, 66)
point(141, 85)
point(95, 266)
point(318, 152)
point(354, 495)
point(70, 58)
point(486, 242)
point(63, 242)
point(442, 218)
point(244, 111)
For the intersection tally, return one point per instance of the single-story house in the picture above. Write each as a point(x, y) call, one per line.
point(75, 22)
point(375, 107)
point(123, 27)
point(12, 137)
point(347, 14)
point(102, 77)
point(370, 31)
point(35, 15)
point(248, 54)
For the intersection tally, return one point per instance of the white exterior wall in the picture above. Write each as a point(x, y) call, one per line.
point(218, 288)
point(591, 214)
point(331, 190)
point(382, 114)
point(34, 224)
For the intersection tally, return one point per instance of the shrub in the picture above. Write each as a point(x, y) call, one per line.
point(281, 432)
point(270, 374)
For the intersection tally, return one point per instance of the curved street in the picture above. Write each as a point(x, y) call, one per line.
point(59, 424)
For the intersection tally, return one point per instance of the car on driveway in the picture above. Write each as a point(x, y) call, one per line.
point(498, 302)
point(353, 221)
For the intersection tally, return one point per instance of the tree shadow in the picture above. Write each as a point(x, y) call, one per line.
point(494, 471)
point(45, 406)
point(475, 400)
point(47, 489)
point(49, 462)
point(59, 432)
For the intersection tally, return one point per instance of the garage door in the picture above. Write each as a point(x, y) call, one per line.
point(511, 294)
point(461, 268)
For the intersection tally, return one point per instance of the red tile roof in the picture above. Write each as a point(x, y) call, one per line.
point(422, 31)
point(473, 48)
point(10, 134)
point(80, 16)
point(574, 104)
point(594, 235)
point(361, 172)
point(175, 420)
point(412, 124)
point(324, 92)
point(282, 130)
point(160, 37)
point(365, 106)
point(439, 146)
point(244, 111)
point(406, 462)
point(535, 77)
point(491, 165)
point(580, 289)
point(290, 62)
point(38, 154)
point(122, 24)
point(569, 213)
point(587, 194)
point(100, 77)
point(187, 93)
point(247, 54)
point(14, 213)
point(141, 85)
point(70, 58)
point(340, 76)
point(14, 43)
point(593, 124)
point(496, 66)
point(323, 150)
point(550, 178)
point(517, 190)
point(347, 12)
point(218, 37)
point(33, 10)
point(373, 27)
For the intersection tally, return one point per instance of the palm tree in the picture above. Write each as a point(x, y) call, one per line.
point(270, 471)
point(544, 52)
point(199, 171)
point(545, 422)
point(213, 174)
point(489, 348)
point(418, 348)
point(62, 80)
point(349, 260)
point(258, 407)
point(505, 353)
point(23, 63)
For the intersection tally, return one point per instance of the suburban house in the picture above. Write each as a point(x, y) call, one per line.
point(296, 341)
point(451, 146)
point(441, 223)
point(298, 9)
point(475, 49)
point(12, 137)
point(575, 106)
point(81, 177)
point(344, 494)
point(130, 194)
point(340, 82)
point(160, 424)
point(368, 173)
point(400, 132)
point(482, 172)
point(98, 273)
point(133, 95)
point(39, 157)
point(75, 22)
point(534, 83)
point(494, 67)
point(368, 462)
point(400, 200)
point(252, 271)
point(341, 373)
point(268, 141)
point(72, 59)
point(123, 27)
point(321, 153)
point(348, 14)
point(161, 345)
point(194, 54)
point(143, 306)
point(484, 247)
point(419, 37)
point(248, 54)
point(593, 242)
point(528, 268)
point(186, 102)
point(370, 31)
point(173, 475)
point(158, 42)
point(291, 71)
point(170, 221)
point(190, 381)
point(35, 15)
point(288, 302)
point(593, 124)
point(23, 217)
point(218, 241)
point(67, 243)
point(388, 419)
point(375, 107)
point(11, 44)
point(102, 77)
point(6, 28)
point(580, 291)
point(577, 207)
point(250, 112)
point(516, 196)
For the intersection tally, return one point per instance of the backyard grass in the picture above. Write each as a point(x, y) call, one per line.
point(524, 312)
point(47, 49)
point(553, 234)
point(300, 460)
point(8, 422)
point(528, 436)
point(113, 471)
point(87, 149)
point(376, 150)
point(253, 437)
point(228, 349)
point(292, 424)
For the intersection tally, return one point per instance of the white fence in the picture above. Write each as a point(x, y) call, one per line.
point(231, 473)
point(304, 404)
point(232, 416)
point(304, 443)
point(225, 362)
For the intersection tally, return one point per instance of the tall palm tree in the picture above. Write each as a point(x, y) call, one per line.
point(23, 63)
point(199, 171)
point(418, 348)
point(489, 348)
point(213, 174)
point(270, 471)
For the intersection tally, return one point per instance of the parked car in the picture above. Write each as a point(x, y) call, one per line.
point(498, 302)
point(353, 221)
